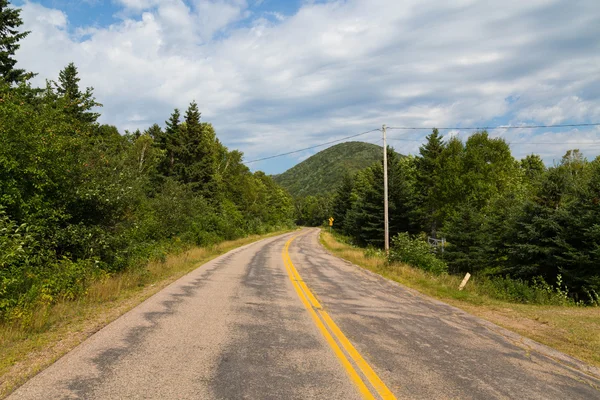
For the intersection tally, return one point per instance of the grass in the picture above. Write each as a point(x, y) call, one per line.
point(571, 329)
point(56, 329)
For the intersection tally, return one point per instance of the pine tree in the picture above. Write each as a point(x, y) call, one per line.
point(342, 201)
point(364, 221)
point(173, 124)
point(428, 175)
point(10, 21)
point(78, 104)
point(155, 132)
point(192, 118)
point(463, 232)
point(170, 141)
point(197, 155)
point(401, 182)
point(69, 82)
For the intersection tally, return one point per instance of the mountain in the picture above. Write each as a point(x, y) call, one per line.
point(322, 172)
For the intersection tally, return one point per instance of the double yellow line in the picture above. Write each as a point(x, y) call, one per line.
point(324, 321)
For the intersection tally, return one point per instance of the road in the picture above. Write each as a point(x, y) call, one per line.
point(283, 319)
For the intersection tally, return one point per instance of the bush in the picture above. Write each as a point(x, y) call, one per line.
point(522, 291)
point(416, 252)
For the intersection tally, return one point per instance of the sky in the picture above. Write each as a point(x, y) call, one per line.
point(273, 76)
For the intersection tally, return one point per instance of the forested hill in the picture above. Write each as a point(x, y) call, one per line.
point(321, 173)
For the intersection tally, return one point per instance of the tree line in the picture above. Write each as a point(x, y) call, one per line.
point(500, 216)
point(79, 200)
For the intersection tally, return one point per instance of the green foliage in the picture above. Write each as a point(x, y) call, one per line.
point(10, 21)
point(428, 176)
point(416, 252)
point(500, 217)
point(488, 169)
point(342, 201)
point(77, 104)
point(536, 291)
point(321, 173)
point(465, 251)
point(313, 211)
point(364, 219)
point(79, 201)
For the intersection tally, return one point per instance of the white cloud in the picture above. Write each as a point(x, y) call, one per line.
point(140, 4)
point(334, 69)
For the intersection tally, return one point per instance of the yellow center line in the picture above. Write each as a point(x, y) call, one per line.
point(311, 303)
point(366, 369)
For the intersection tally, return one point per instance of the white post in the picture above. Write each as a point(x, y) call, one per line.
point(385, 195)
point(464, 281)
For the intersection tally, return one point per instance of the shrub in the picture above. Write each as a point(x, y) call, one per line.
point(416, 252)
point(522, 291)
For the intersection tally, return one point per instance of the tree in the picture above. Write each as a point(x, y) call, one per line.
point(342, 201)
point(155, 132)
point(75, 206)
point(463, 233)
point(312, 210)
point(533, 167)
point(197, 154)
point(450, 187)
point(10, 21)
point(77, 104)
point(428, 175)
point(488, 168)
point(401, 193)
point(169, 141)
point(364, 219)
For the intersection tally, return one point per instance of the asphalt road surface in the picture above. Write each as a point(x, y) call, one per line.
point(283, 319)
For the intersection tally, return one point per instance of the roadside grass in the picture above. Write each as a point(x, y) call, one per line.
point(54, 330)
point(574, 330)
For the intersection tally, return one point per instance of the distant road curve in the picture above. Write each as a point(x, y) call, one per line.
point(283, 319)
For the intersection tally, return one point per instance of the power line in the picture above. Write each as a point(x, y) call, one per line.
point(405, 140)
point(590, 143)
point(311, 147)
point(515, 143)
point(498, 127)
point(443, 128)
point(505, 127)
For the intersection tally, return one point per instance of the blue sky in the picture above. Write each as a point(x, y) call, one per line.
point(274, 75)
point(99, 13)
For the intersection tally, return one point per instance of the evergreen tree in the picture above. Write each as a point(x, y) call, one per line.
point(364, 220)
point(155, 132)
point(197, 155)
point(463, 233)
point(428, 176)
point(342, 201)
point(78, 104)
point(401, 193)
point(10, 21)
point(169, 140)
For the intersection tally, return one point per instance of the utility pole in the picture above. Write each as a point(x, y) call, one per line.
point(385, 195)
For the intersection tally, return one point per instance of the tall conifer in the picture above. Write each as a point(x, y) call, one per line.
point(10, 21)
